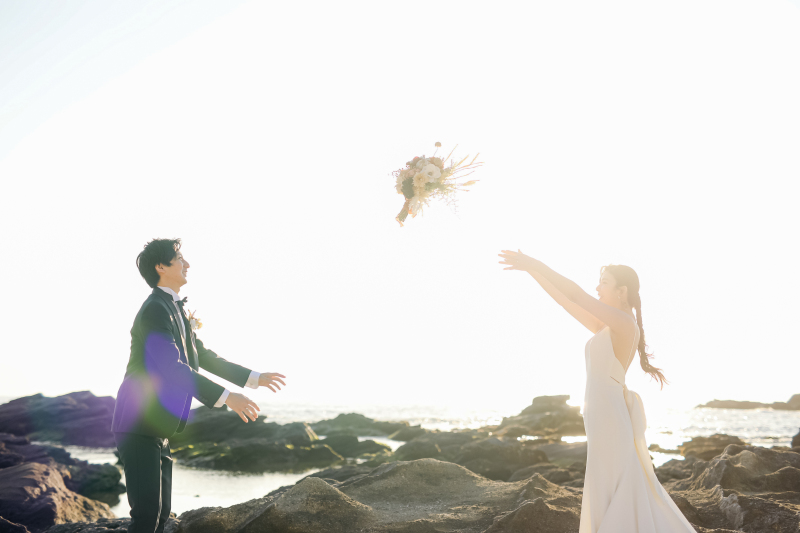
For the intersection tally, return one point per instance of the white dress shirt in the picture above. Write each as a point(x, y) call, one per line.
point(252, 380)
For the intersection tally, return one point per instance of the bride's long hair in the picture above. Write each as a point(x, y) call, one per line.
point(626, 277)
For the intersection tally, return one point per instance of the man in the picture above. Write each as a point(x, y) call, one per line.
point(154, 399)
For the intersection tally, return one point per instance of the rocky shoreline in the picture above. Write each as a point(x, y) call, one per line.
point(792, 405)
point(517, 476)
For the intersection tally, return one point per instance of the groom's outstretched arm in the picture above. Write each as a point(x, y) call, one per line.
point(236, 374)
point(162, 357)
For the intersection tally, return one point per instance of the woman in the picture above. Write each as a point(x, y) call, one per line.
point(621, 493)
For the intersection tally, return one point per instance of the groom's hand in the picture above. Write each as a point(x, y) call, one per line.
point(270, 380)
point(243, 406)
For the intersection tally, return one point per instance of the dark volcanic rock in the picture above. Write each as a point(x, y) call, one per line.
point(404, 497)
point(356, 424)
point(34, 495)
point(78, 418)
point(708, 447)
point(546, 416)
point(106, 525)
point(746, 488)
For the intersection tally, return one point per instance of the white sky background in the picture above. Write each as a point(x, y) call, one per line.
point(662, 135)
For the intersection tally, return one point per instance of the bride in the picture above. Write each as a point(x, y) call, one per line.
point(621, 493)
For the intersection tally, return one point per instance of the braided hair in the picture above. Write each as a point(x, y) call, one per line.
point(626, 277)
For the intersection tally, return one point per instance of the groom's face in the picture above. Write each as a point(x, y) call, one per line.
point(174, 273)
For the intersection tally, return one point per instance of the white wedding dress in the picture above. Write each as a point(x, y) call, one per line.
point(621, 493)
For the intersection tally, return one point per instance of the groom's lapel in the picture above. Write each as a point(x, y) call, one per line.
point(167, 299)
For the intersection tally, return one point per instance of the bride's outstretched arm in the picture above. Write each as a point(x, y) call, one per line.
point(579, 313)
point(614, 318)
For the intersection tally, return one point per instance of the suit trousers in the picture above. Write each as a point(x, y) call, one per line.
point(148, 475)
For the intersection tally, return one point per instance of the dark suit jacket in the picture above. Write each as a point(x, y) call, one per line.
point(161, 379)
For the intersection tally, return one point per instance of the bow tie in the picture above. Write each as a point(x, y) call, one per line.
point(181, 302)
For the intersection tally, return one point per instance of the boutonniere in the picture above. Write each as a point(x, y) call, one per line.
point(194, 322)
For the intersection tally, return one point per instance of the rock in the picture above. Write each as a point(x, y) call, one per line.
point(10, 527)
point(9, 458)
point(796, 439)
point(497, 458)
point(34, 495)
point(255, 455)
point(549, 471)
point(746, 488)
point(98, 482)
point(342, 473)
point(358, 425)
point(218, 439)
point(546, 416)
point(656, 448)
point(106, 525)
point(418, 449)
point(536, 516)
point(678, 469)
point(78, 418)
point(792, 405)
point(421, 496)
point(707, 448)
point(218, 425)
point(408, 433)
point(350, 446)
point(561, 453)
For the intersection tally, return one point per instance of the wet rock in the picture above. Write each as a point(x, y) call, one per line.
point(34, 495)
point(546, 416)
point(708, 447)
point(106, 525)
point(358, 425)
point(78, 418)
point(746, 488)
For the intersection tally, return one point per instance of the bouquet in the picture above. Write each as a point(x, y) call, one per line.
point(425, 178)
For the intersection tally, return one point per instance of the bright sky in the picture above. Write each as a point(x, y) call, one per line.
point(661, 135)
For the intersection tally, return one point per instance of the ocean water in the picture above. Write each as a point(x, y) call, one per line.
point(667, 427)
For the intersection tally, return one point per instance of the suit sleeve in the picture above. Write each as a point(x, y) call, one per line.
point(162, 358)
point(218, 366)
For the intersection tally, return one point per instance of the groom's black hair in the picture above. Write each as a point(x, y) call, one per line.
point(156, 252)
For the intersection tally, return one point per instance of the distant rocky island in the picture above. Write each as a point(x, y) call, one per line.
point(515, 477)
point(792, 405)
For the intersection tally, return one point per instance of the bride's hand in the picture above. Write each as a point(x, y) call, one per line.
point(517, 260)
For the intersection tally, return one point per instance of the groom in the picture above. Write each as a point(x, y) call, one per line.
point(154, 399)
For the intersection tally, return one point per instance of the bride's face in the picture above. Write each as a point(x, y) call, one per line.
point(608, 292)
